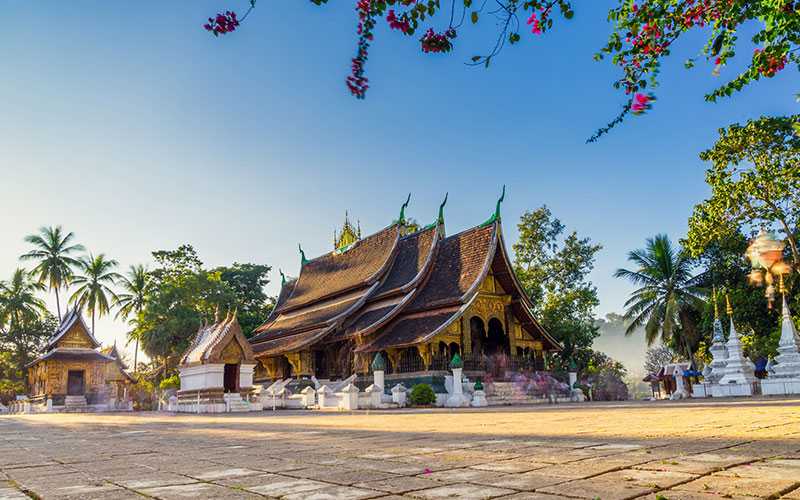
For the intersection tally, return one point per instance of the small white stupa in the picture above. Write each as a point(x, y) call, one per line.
point(739, 371)
point(719, 354)
point(785, 376)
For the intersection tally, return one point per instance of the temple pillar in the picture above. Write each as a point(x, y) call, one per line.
point(362, 362)
point(466, 337)
point(394, 357)
point(425, 351)
point(301, 363)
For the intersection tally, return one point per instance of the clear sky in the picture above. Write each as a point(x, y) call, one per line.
point(128, 124)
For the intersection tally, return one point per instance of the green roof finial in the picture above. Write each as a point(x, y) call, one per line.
point(496, 215)
point(283, 278)
point(440, 220)
point(456, 362)
point(378, 364)
point(303, 260)
point(402, 218)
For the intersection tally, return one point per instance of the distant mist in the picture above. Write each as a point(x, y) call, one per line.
point(629, 350)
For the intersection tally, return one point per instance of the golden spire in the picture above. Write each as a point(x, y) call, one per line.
point(728, 307)
point(716, 305)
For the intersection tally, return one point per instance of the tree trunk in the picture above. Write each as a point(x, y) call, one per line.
point(92, 323)
point(136, 355)
point(58, 306)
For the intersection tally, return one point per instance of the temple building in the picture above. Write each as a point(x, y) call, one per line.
point(216, 371)
point(414, 294)
point(74, 373)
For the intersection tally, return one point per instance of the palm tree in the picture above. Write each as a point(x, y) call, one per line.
point(93, 285)
point(18, 300)
point(667, 295)
point(53, 251)
point(136, 286)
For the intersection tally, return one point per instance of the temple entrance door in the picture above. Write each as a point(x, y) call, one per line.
point(477, 334)
point(231, 379)
point(497, 340)
point(75, 385)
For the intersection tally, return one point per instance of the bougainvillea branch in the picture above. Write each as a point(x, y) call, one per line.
point(644, 33)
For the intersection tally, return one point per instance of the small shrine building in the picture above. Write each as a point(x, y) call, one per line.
point(414, 294)
point(75, 372)
point(216, 371)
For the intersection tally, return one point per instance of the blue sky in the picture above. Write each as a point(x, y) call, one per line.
point(131, 126)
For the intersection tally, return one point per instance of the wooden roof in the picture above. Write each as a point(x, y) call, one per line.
point(393, 290)
point(72, 322)
point(211, 340)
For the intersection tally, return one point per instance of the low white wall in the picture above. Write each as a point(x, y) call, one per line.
point(780, 387)
point(204, 377)
point(246, 376)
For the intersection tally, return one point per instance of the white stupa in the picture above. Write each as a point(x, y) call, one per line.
point(719, 354)
point(788, 358)
point(738, 369)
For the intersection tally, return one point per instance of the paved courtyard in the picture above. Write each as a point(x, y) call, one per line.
point(664, 450)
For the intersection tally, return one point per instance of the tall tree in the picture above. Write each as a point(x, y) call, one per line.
point(136, 287)
point(94, 289)
point(554, 270)
point(247, 282)
point(668, 296)
point(182, 296)
point(18, 301)
point(25, 326)
point(53, 251)
point(755, 181)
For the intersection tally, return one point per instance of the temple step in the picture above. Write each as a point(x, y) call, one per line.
point(75, 401)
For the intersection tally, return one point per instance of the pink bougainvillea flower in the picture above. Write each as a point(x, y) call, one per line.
point(641, 103)
point(536, 27)
point(224, 22)
point(427, 471)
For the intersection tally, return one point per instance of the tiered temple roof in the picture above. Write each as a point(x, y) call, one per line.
point(211, 340)
point(397, 287)
point(72, 341)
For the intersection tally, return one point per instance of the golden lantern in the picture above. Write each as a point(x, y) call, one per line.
point(766, 258)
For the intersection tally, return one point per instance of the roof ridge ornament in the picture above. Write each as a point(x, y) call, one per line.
point(496, 215)
point(303, 260)
point(440, 219)
point(402, 218)
point(283, 277)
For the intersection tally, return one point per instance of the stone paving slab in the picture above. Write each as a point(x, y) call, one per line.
point(741, 449)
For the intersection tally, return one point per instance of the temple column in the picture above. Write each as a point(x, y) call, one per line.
point(361, 362)
point(394, 358)
point(425, 353)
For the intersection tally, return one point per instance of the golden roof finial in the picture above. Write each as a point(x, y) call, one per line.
point(728, 307)
point(716, 305)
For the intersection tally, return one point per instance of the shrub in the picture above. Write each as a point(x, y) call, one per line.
point(422, 394)
point(173, 382)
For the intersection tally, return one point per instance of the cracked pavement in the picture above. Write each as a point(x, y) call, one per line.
point(699, 449)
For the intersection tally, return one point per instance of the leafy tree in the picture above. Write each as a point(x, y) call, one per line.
point(755, 181)
point(136, 288)
point(554, 272)
point(93, 291)
point(247, 282)
point(25, 326)
point(182, 296)
point(18, 301)
point(668, 295)
point(53, 252)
